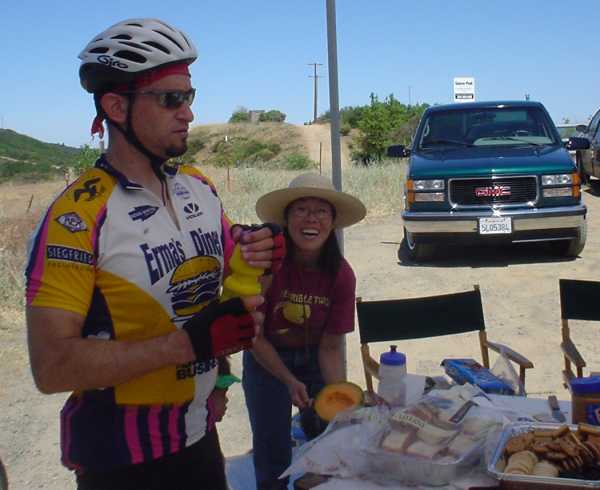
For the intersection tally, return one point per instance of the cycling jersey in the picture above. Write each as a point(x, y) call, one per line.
point(109, 250)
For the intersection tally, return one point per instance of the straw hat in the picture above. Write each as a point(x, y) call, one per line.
point(348, 209)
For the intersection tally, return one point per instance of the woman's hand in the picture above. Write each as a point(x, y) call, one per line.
point(298, 393)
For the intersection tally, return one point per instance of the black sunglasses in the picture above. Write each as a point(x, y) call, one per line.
point(170, 99)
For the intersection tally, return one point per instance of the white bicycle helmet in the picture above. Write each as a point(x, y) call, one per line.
point(131, 47)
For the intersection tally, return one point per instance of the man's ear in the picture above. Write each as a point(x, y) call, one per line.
point(115, 106)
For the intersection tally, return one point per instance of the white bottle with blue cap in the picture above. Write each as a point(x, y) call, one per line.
point(392, 377)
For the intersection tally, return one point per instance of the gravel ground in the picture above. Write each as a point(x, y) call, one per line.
point(519, 285)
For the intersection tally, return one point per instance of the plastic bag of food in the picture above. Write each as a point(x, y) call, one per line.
point(433, 441)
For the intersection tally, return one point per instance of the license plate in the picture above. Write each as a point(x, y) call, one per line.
point(496, 225)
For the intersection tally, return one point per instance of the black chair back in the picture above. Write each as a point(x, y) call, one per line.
point(416, 318)
point(579, 300)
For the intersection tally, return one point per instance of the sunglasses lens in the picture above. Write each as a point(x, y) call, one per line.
point(175, 99)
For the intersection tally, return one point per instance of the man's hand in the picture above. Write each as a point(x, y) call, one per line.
point(219, 400)
point(224, 328)
point(262, 246)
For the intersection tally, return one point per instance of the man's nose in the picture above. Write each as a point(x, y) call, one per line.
point(186, 112)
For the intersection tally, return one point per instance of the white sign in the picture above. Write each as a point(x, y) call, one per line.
point(464, 89)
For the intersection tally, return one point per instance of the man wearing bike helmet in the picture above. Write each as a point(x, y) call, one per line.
point(124, 275)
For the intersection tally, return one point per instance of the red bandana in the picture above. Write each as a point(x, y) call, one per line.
point(143, 80)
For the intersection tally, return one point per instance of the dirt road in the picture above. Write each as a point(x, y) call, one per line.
point(317, 141)
point(520, 293)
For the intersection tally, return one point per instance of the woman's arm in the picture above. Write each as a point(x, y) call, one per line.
point(331, 358)
point(266, 355)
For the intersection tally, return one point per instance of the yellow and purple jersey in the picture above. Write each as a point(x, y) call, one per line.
point(109, 250)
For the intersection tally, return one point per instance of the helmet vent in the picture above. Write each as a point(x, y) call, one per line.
point(134, 24)
point(122, 36)
point(131, 56)
point(157, 46)
point(99, 50)
point(170, 39)
point(137, 45)
point(186, 40)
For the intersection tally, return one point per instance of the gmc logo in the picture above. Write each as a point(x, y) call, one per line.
point(108, 61)
point(492, 191)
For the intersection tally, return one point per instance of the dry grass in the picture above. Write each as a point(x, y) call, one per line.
point(379, 187)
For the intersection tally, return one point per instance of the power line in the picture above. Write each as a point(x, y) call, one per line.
point(315, 76)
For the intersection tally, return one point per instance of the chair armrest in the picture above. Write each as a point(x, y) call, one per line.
point(572, 354)
point(372, 367)
point(514, 356)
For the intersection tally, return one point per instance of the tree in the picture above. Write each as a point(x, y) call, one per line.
point(241, 114)
point(85, 159)
point(381, 124)
point(272, 116)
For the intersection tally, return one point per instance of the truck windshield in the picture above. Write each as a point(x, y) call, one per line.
point(497, 126)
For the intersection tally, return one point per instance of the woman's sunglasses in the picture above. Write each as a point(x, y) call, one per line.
point(171, 99)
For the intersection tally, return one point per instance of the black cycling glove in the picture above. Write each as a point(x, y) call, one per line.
point(278, 250)
point(220, 329)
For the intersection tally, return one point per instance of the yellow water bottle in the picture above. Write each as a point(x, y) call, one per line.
point(243, 280)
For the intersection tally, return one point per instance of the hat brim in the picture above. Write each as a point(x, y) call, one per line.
point(348, 209)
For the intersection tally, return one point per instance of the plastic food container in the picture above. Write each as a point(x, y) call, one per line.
point(586, 400)
point(531, 482)
point(414, 470)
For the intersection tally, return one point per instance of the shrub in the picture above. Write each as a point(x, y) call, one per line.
point(272, 116)
point(240, 115)
point(297, 161)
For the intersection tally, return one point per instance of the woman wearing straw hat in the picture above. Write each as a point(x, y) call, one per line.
point(308, 308)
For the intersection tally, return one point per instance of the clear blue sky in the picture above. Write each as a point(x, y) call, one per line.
point(255, 54)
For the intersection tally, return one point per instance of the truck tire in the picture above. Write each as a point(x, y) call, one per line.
point(411, 249)
point(572, 248)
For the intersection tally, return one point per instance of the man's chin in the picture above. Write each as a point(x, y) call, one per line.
point(176, 151)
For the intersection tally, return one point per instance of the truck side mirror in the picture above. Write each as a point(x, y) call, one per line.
point(575, 143)
point(398, 151)
point(581, 128)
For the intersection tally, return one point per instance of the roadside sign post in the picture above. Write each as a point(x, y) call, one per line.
point(464, 89)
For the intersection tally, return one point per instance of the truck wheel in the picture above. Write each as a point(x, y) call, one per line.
point(411, 249)
point(572, 248)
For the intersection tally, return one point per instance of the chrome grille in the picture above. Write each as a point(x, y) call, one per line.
point(493, 191)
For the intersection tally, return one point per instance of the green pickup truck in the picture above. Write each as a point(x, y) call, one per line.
point(490, 172)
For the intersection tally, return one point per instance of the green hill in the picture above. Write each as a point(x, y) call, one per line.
point(18, 147)
point(26, 158)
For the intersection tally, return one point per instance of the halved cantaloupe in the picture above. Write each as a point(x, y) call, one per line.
point(331, 400)
point(336, 397)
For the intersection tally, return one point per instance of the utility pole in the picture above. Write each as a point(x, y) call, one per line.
point(315, 76)
point(409, 96)
point(334, 106)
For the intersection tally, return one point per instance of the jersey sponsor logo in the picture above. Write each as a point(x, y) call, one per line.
point(163, 258)
point(206, 243)
point(192, 210)
point(112, 62)
point(194, 283)
point(90, 189)
point(72, 222)
point(195, 368)
point(68, 254)
point(181, 191)
point(142, 213)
